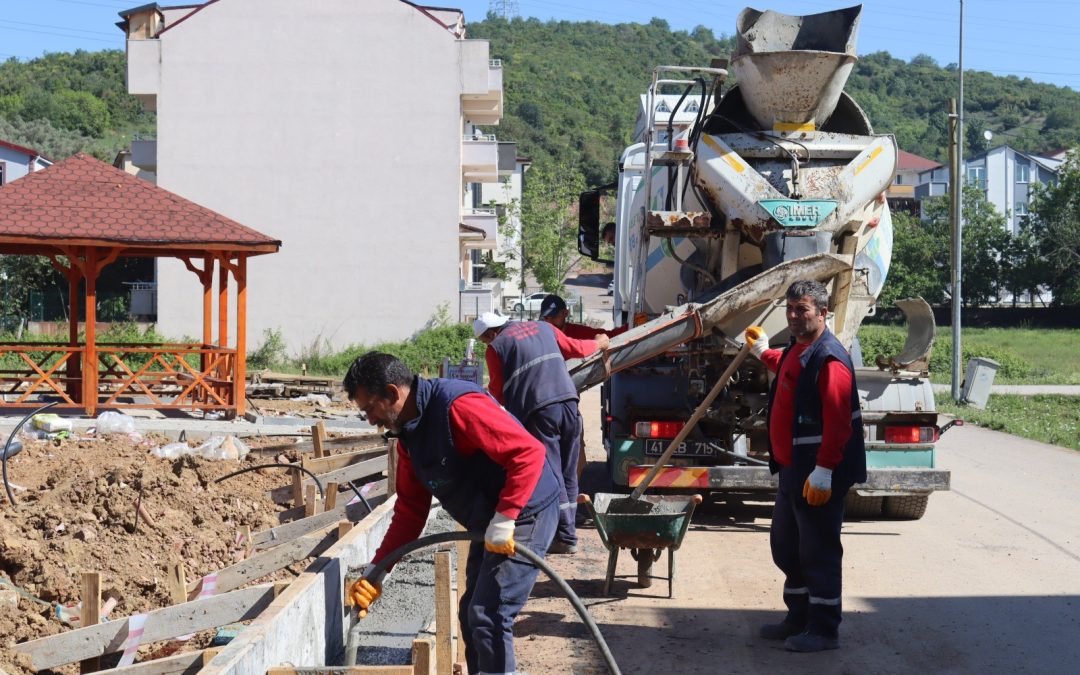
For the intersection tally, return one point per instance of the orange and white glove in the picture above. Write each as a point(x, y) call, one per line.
point(758, 340)
point(499, 537)
point(366, 590)
point(818, 486)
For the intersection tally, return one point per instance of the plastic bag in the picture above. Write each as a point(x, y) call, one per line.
point(222, 447)
point(171, 451)
point(111, 422)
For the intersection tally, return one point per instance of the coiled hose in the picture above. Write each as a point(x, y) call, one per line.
point(443, 537)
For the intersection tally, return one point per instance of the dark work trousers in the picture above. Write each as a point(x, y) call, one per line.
point(558, 427)
point(496, 588)
point(805, 543)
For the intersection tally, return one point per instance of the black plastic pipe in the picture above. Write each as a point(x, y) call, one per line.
point(444, 537)
point(322, 494)
point(7, 447)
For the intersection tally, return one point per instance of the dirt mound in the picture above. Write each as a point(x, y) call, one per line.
point(76, 512)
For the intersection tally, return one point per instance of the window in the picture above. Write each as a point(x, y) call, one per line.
point(899, 179)
point(976, 175)
point(692, 107)
point(1023, 172)
point(3, 172)
point(1021, 208)
point(662, 107)
point(476, 257)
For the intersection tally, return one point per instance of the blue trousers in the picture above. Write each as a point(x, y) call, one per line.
point(558, 427)
point(496, 588)
point(805, 542)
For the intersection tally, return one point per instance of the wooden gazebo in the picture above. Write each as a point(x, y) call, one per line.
point(83, 214)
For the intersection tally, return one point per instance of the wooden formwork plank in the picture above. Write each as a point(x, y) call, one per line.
point(161, 624)
point(462, 558)
point(289, 531)
point(335, 462)
point(318, 439)
point(312, 503)
point(444, 615)
point(187, 663)
point(268, 562)
point(423, 657)
point(343, 444)
point(342, 670)
point(176, 580)
point(376, 494)
point(91, 613)
point(370, 467)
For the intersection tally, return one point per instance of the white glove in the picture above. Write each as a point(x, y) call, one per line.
point(758, 340)
point(499, 537)
point(818, 486)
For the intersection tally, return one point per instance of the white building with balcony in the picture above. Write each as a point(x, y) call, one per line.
point(338, 127)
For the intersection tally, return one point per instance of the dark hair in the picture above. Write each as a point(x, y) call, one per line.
point(374, 371)
point(808, 287)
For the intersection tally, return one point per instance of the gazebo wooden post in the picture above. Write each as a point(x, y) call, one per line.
point(74, 364)
point(90, 365)
point(207, 279)
point(240, 381)
point(223, 301)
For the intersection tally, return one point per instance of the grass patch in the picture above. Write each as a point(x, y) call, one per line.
point(1045, 418)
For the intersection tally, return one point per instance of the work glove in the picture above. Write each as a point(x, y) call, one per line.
point(499, 537)
point(818, 486)
point(758, 340)
point(366, 590)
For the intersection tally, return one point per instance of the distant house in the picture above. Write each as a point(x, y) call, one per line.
point(1004, 174)
point(17, 161)
point(901, 194)
point(665, 104)
point(345, 128)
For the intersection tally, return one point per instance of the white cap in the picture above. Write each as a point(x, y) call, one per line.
point(488, 320)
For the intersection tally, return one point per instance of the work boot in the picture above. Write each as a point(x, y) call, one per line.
point(780, 631)
point(562, 547)
point(810, 642)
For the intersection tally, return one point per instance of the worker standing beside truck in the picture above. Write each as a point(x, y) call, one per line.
point(527, 374)
point(553, 310)
point(816, 446)
point(456, 443)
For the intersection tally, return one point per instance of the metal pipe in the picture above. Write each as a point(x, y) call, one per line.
point(958, 215)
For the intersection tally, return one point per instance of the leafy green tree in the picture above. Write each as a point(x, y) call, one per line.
point(916, 269)
point(1055, 219)
point(549, 222)
point(1022, 266)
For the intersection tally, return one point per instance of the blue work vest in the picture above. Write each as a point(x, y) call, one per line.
point(534, 370)
point(468, 487)
point(806, 434)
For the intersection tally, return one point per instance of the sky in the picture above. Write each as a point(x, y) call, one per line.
point(1039, 39)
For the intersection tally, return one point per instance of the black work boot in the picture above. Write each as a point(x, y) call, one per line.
point(780, 631)
point(810, 642)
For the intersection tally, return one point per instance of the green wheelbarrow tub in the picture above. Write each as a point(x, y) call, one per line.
point(645, 526)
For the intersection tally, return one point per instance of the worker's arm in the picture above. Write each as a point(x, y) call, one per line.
point(495, 374)
point(410, 510)
point(478, 424)
point(758, 340)
point(834, 386)
point(579, 331)
point(574, 349)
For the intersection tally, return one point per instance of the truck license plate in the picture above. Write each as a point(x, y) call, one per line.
point(686, 448)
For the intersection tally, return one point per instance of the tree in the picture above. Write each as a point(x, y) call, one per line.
point(1055, 219)
point(1022, 266)
point(549, 223)
point(916, 268)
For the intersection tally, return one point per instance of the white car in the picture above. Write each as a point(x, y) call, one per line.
point(530, 303)
point(611, 287)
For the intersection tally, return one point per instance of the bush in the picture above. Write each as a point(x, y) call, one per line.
point(889, 340)
point(270, 353)
point(423, 353)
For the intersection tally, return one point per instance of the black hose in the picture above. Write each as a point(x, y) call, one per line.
point(360, 496)
point(322, 493)
point(7, 446)
point(444, 537)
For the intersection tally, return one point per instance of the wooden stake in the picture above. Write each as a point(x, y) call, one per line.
point(331, 497)
point(297, 487)
point(422, 657)
point(177, 583)
point(311, 501)
point(444, 615)
point(343, 528)
point(280, 586)
point(91, 613)
point(318, 439)
point(245, 540)
point(462, 561)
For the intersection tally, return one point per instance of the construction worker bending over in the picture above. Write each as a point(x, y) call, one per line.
point(527, 374)
point(456, 443)
point(816, 445)
point(553, 309)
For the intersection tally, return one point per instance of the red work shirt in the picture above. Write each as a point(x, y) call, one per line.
point(834, 386)
point(477, 424)
point(569, 347)
point(582, 332)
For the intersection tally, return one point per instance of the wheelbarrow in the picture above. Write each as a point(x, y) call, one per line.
point(659, 524)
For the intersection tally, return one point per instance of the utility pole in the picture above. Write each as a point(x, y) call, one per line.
point(504, 9)
point(958, 220)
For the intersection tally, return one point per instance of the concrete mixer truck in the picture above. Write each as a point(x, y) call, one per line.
point(734, 191)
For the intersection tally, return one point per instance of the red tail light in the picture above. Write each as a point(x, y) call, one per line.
point(908, 434)
point(655, 429)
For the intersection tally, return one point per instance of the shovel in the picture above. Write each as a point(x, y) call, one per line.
point(633, 503)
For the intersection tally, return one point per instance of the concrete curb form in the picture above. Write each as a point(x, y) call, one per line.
point(307, 624)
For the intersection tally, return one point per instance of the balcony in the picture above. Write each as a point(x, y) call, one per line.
point(144, 71)
point(482, 79)
point(480, 158)
point(486, 220)
point(144, 155)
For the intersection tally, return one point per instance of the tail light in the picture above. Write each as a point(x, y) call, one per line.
point(910, 434)
point(655, 429)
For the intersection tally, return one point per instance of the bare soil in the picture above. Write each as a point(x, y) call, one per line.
point(77, 514)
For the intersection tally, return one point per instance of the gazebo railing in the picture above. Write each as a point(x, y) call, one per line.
point(164, 376)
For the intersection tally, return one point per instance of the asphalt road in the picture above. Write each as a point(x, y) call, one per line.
point(988, 581)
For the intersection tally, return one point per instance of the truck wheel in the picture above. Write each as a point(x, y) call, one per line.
point(857, 506)
point(909, 507)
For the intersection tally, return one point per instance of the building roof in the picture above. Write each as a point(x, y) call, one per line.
point(24, 150)
point(84, 201)
point(908, 161)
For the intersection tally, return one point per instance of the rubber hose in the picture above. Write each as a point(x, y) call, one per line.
point(443, 537)
point(322, 493)
point(7, 486)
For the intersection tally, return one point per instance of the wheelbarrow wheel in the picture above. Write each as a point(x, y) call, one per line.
point(645, 558)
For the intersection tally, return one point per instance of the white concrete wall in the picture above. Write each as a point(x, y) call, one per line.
point(17, 164)
point(333, 126)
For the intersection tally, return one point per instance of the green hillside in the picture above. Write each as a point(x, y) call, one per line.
point(571, 92)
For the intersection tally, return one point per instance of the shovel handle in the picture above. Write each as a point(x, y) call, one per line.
point(692, 422)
